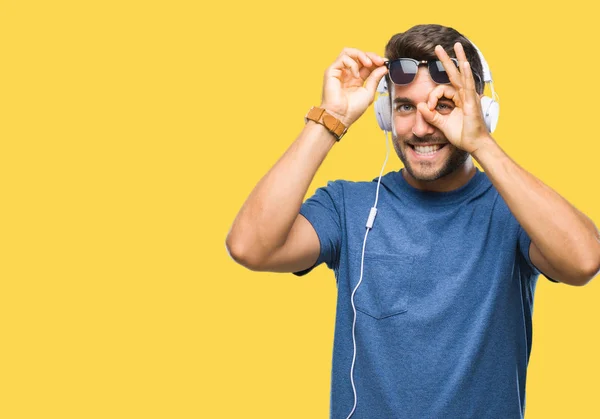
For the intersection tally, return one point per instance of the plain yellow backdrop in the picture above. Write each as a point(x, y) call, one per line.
point(133, 131)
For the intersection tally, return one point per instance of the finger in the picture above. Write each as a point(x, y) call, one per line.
point(343, 62)
point(357, 55)
point(365, 59)
point(460, 52)
point(375, 62)
point(440, 91)
point(471, 93)
point(353, 52)
point(431, 116)
point(374, 78)
point(376, 59)
point(333, 72)
point(462, 59)
point(453, 74)
point(364, 72)
point(350, 64)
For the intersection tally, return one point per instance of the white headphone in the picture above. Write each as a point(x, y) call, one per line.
point(489, 105)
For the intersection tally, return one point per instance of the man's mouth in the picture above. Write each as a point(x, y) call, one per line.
point(427, 150)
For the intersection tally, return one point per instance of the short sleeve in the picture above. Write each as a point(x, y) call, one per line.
point(323, 211)
point(524, 244)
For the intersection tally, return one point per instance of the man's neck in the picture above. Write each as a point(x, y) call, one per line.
point(447, 183)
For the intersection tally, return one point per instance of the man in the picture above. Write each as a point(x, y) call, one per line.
point(443, 316)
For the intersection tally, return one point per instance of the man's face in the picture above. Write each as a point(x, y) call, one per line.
point(423, 164)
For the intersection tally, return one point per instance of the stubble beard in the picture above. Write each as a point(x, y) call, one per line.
point(452, 163)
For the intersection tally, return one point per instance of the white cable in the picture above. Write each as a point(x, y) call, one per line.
point(354, 324)
point(369, 226)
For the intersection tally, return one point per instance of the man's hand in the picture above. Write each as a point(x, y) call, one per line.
point(350, 83)
point(464, 127)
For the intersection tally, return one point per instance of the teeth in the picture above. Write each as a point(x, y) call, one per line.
point(428, 149)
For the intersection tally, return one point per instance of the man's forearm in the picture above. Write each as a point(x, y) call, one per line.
point(266, 218)
point(566, 238)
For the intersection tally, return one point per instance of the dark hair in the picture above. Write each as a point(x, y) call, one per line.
point(419, 43)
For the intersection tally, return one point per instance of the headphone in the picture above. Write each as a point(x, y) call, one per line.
point(489, 105)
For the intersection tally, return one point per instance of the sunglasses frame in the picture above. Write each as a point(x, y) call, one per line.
point(418, 64)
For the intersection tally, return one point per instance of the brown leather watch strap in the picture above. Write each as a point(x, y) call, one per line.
point(333, 125)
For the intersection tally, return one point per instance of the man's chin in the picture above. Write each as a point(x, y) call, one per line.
point(424, 176)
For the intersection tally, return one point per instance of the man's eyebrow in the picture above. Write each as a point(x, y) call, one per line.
point(410, 101)
point(403, 100)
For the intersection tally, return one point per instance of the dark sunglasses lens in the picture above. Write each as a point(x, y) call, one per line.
point(402, 71)
point(438, 72)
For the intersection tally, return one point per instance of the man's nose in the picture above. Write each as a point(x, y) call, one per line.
point(421, 128)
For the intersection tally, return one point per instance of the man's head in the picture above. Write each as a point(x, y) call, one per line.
point(409, 127)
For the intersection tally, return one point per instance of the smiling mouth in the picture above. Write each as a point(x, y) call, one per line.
point(427, 150)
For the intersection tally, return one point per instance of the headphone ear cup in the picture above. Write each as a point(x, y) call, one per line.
point(383, 113)
point(491, 112)
point(383, 109)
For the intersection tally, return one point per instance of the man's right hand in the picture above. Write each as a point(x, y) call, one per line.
point(350, 83)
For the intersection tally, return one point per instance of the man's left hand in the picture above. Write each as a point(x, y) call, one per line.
point(464, 127)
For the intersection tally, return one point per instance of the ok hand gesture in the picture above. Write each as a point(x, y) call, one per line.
point(464, 127)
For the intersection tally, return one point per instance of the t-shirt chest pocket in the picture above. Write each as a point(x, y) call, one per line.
point(385, 287)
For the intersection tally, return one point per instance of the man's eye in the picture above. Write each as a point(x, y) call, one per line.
point(444, 106)
point(404, 108)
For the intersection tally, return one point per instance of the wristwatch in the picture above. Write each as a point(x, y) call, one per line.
point(333, 125)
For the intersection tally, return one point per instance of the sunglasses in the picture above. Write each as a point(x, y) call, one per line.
point(404, 70)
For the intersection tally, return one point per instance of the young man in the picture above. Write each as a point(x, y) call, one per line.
point(442, 315)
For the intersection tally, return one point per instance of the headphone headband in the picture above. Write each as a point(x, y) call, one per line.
point(487, 74)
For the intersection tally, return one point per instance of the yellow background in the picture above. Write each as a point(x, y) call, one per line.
point(133, 131)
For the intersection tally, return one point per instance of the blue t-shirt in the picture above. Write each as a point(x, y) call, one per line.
point(444, 310)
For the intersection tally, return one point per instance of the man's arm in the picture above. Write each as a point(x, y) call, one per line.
point(268, 234)
point(270, 215)
point(565, 243)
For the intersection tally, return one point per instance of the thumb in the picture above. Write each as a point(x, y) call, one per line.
point(374, 79)
point(432, 117)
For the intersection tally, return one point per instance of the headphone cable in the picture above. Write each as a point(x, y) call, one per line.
point(369, 226)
